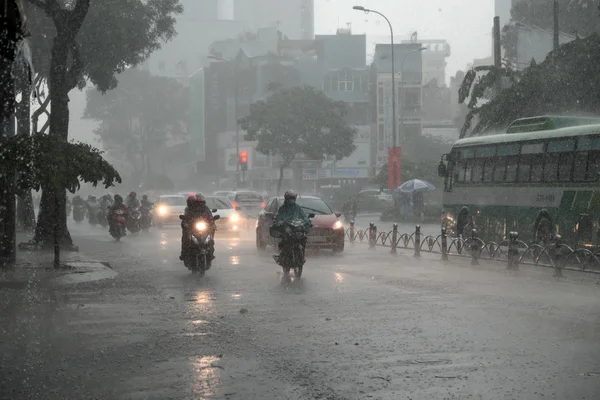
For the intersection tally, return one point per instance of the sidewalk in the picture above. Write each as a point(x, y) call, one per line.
point(37, 267)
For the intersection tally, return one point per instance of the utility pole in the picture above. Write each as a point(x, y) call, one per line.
point(555, 30)
point(497, 53)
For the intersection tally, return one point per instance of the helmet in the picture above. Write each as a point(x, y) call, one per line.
point(132, 194)
point(118, 198)
point(200, 197)
point(145, 197)
point(290, 195)
point(190, 201)
point(92, 198)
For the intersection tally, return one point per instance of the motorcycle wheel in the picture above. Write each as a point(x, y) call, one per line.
point(200, 265)
point(298, 272)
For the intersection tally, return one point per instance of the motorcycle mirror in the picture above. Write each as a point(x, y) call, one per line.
point(338, 214)
point(216, 217)
point(214, 210)
point(311, 215)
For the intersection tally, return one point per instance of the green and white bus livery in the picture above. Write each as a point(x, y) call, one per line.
point(504, 182)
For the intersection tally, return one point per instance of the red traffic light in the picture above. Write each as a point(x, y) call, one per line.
point(244, 157)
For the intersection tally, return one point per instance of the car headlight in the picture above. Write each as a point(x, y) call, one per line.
point(200, 226)
point(338, 225)
point(162, 210)
point(234, 218)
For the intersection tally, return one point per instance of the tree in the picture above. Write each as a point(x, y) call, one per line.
point(579, 18)
point(299, 120)
point(94, 41)
point(567, 82)
point(141, 114)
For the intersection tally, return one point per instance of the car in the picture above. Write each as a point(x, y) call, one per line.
point(327, 231)
point(230, 220)
point(168, 208)
point(249, 203)
point(222, 193)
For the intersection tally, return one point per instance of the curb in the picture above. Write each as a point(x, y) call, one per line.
point(85, 271)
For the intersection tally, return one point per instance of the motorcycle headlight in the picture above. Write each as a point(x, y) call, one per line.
point(162, 210)
point(234, 218)
point(200, 226)
point(338, 225)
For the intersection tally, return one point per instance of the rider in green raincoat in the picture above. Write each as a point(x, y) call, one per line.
point(290, 211)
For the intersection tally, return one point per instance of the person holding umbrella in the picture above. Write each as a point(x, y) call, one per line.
point(417, 187)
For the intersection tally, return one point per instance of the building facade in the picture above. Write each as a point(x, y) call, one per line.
point(409, 95)
point(294, 18)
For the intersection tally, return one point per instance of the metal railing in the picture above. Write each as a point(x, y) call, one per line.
point(510, 249)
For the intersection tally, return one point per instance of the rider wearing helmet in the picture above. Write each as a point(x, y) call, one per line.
point(116, 205)
point(290, 211)
point(196, 209)
point(147, 204)
point(132, 201)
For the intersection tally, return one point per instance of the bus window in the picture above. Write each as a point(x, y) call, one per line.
point(550, 167)
point(511, 169)
point(565, 167)
point(488, 170)
point(500, 169)
point(561, 146)
point(524, 168)
point(581, 160)
point(593, 171)
point(459, 174)
point(537, 163)
point(476, 176)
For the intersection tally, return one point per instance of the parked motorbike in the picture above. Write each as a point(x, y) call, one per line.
point(118, 224)
point(146, 218)
point(293, 237)
point(102, 217)
point(79, 213)
point(197, 258)
point(133, 222)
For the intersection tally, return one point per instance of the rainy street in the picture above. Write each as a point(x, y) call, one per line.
point(359, 325)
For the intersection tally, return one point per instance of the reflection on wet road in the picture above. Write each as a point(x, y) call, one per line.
point(356, 326)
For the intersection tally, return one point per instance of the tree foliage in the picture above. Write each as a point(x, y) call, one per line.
point(576, 17)
point(567, 82)
point(140, 115)
point(114, 35)
point(299, 121)
point(45, 159)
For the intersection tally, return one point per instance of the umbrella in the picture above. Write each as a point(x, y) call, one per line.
point(416, 185)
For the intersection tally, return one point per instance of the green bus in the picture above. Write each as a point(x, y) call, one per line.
point(544, 171)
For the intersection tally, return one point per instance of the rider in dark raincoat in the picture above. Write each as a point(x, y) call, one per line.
point(291, 211)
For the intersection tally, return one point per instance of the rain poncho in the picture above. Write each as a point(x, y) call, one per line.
point(291, 211)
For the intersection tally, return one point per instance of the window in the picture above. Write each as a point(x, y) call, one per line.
point(477, 173)
point(412, 98)
point(550, 167)
point(537, 167)
point(488, 170)
point(581, 166)
point(381, 138)
point(345, 81)
point(500, 169)
point(565, 167)
point(593, 171)
point(380, 100)
point(511, 169)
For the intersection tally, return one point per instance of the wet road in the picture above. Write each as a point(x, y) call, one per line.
point(361, 325)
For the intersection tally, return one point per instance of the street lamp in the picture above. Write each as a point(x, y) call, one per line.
point(402, 95)
point(394, 160)
point(237, 125)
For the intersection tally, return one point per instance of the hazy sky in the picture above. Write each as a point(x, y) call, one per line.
point(465, 24)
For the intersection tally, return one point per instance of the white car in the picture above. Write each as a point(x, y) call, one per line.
point(230, 219)
point(168, 208)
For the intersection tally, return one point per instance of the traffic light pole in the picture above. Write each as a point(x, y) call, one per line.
point(237, 128)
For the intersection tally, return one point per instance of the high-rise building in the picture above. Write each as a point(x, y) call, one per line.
point(294, 18)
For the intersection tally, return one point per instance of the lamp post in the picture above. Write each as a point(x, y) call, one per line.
point(237, 125)
point(402, 94)
point(394, 159)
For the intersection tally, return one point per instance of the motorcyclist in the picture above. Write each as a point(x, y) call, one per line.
point(92, 204)
point(196, 209)
point(290, 211)
point(132, 201)
point(147, 204)
point(78, 201)
point(105, 201)
point(116, 205)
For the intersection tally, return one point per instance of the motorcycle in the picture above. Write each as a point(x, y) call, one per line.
point(118, 224)
point(92, 216)
point(197, 257)
point(133, 222)
point(292, 234)
point(102, 216)
point(79, 213)
point(146, 218)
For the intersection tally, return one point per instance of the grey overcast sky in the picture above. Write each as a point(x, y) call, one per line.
point(465, 24)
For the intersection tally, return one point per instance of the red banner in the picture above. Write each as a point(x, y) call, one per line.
point(394, 159)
